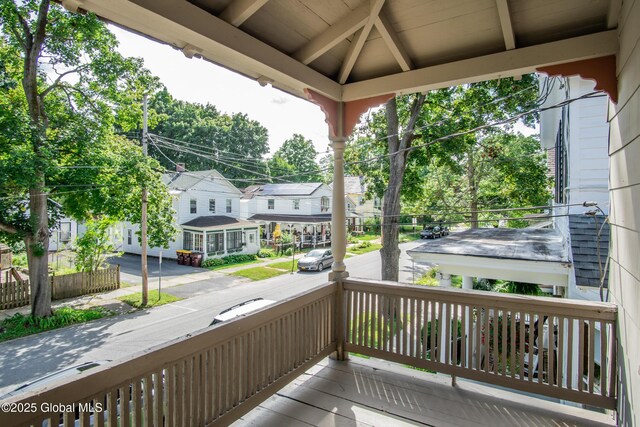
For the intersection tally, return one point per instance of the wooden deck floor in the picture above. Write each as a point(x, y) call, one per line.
point(367, 392)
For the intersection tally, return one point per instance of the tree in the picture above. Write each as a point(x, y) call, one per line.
point(66, 89)
point(95, 245)
point(203, 138)
point(297, 156)
point(446, 128)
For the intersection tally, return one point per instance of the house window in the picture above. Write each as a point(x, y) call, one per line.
point(129, 236)
point(271, 204)
point(65, 232)
point(193, 206)
point(229, 206)
point(187, 240)
point(252, 238)
point(376, 203)
point(296, 204)
point(234, 241)
point(212, 205)
point(324, 204)
point(197, 242)
point(215, 243)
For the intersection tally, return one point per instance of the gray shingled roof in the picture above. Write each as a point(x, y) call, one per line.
point(216, 221)
point(527, 244)
point(584, 247)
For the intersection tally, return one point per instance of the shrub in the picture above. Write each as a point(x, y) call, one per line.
point(287, 252)
point(20, 259)
point(212, 262)
point(265, 253)
point(238, 258)
point(363, 244)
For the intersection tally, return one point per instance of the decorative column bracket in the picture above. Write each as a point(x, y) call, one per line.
point(602, 70)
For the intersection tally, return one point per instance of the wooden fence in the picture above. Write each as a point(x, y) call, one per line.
point(15, 291)
point(82, 283)
point(212, 377)
point(558, 348)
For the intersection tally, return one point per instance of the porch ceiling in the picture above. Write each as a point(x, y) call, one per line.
point(356, 49)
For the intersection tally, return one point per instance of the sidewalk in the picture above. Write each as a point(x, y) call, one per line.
point(109, 300)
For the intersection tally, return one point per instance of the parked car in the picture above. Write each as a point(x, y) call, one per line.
point(317, 260)
point(430, 232)
point(241, 309)
point(444, 231)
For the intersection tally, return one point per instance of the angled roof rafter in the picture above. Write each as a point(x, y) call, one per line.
point(390, 37)
point(239, 11)
point(505, 23)
point(358, 41)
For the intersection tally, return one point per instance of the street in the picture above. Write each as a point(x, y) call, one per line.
point(122, 336)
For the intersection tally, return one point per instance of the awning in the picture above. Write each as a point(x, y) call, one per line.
point(523, 255)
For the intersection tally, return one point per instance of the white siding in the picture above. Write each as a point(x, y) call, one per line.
point(624, 182)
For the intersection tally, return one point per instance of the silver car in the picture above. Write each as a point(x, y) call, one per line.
point(317, 260)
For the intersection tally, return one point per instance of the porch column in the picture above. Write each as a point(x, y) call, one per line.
point(444, 279)
point(338, 216)
point(467, 282)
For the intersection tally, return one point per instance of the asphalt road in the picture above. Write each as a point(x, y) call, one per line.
point(119, 337)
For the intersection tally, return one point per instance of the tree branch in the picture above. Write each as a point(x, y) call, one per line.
point(8, 228)
point(56, 82)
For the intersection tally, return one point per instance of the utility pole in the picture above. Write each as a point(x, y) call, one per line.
point(143, 222)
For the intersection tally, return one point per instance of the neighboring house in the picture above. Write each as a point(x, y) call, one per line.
point(576, 138)
point(207, 209)
point(302, 208)
point(64, 234)
point(355, 189)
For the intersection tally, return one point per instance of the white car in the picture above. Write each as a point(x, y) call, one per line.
point(241, 309)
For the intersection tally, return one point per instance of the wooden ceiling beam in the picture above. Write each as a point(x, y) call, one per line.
point(239, 11)
point(498, 65)
point(333, 35)
point(392, 41)
point(505, 23)
point(358, 41)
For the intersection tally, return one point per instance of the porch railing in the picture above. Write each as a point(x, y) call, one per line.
point(214, 376)
point(558, 348)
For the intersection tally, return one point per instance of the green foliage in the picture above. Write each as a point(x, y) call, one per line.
point(518, 288)
point(485, 169)
point(265, 253)
point(284, 265)
point(229, 260)
point(95, 245)
point(213, 140)
point(19, 259)
point(364, 247)
point(296, 157)
point(20, 325)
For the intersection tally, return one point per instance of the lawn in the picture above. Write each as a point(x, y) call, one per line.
point(367, 237)
point(20, 325)
point(363, 250)
point(260, 273)
point(284, 265)
point(409, 236)
point(135, 300)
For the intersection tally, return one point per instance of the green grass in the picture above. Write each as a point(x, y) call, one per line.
point(358, 251)
point(20, 325)
point(409, 236)
point(124, 284)
point(135, 300)
point(367, 237)
point(284, 265)
point(222, 267)
point(259, 273)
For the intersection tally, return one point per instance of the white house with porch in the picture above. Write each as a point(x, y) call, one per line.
point(301, 208)
point(358, 204)
point(207, 215)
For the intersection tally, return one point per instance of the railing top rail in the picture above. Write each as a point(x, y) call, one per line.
point(547, 305)
point(114, 374)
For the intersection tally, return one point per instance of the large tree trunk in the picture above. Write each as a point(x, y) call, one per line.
point(398, 153)
point(37, 239)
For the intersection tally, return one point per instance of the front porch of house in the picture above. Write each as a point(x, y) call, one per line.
point(372, 392)
point(540, 346)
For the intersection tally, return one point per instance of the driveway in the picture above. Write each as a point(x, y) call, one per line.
point(130, 270)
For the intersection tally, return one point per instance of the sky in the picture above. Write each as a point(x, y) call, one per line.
point(196, 80)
